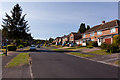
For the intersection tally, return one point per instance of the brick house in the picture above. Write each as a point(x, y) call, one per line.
point(65, 39)
point(73, 36)
point(58, 40)
point(101, 33)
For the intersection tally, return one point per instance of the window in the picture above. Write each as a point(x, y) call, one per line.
point(112, 30)
point(99, 32)
point(92, 34)
point(83, 35)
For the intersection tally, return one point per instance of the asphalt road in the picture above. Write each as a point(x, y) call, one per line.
point(50, 64)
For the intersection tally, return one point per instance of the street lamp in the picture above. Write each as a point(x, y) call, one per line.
point(6, 46)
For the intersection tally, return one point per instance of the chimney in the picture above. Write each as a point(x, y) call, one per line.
point(103, 22)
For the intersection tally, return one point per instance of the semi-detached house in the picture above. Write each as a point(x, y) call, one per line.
point(101, 33)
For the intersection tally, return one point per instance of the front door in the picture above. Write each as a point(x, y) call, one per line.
point(108, 40)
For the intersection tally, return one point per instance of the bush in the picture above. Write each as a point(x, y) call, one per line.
point(3, 47)
point(11, 48)
point(116, 39)
point(89, 46)
point(103, 45)
point(20, 46)
point(112, 48)
point(93, 43)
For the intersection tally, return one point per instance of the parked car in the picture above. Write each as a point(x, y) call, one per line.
point(72, 44)
point(32, 47)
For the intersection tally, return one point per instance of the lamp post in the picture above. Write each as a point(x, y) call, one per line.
point(6, 47)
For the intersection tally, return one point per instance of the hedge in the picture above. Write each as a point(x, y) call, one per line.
point(93, 43)
point(11, 48)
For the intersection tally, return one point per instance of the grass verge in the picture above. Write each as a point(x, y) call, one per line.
point(20, 59)
point(59, 50)
point(81, 55)
point(74, 48)
point(117, 62)
point(100, 52)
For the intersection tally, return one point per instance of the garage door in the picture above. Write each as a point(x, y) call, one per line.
point(108, 40)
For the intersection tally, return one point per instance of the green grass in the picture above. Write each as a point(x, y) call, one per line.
point(20, 59)
point(2, 54)
point(100, 52)
point(59, 50)
point(117, 62)
point(74, 48)
point(82, 55)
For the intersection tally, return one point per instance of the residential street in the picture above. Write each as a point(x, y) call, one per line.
point(50, 64)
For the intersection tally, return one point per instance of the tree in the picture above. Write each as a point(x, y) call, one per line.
point(15, 26)
point(51, 40)
point(88, 27)
point(82, 28)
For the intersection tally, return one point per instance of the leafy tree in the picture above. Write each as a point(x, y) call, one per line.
point(15, 26)
point(88, 27)
point(51, 40)
point(82, 28)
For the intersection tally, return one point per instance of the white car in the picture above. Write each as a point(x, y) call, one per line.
point(32, 47)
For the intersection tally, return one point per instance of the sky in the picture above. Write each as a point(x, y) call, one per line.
point(55, 19)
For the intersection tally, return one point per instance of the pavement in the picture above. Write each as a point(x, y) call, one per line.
point(16, 72)
point(50, 64)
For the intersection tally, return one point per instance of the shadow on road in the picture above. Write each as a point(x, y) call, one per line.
point(52, 51)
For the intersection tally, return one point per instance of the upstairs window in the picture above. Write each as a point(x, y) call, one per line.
point(92, 34)
point(112, 30)
point(99, 32)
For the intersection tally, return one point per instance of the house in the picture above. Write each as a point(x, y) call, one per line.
point(101, 33)
point(65, 39)
point(73, 36)
point(58, 40)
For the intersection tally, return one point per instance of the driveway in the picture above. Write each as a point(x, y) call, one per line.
point(50, 64)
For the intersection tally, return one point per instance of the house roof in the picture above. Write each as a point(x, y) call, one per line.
point(106, 25)
point(65, 36)
point(74, 33)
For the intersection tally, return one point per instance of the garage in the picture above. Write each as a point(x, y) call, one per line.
point(108, 40)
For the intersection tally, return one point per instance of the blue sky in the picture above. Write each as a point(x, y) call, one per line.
point(53, 19)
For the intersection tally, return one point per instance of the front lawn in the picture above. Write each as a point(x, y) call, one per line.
point(100, 52)
point(117, 62)
point(75, 48)
point(81, 54)
point(20, 59)
point(59, 50)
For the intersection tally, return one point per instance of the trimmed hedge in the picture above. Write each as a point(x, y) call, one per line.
point(11, 48)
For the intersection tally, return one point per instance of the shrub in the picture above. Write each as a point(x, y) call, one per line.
point(116, 39)
point(3, 47)
point(103, 45)
point(112, 48)
point(93, 43)
point(20, 46)
point(11, 48)
point(89, 46)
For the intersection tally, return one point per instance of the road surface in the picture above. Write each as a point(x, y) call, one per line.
point(51, 64)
